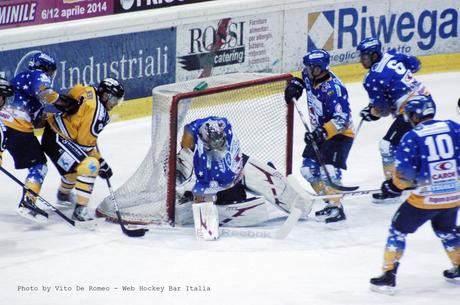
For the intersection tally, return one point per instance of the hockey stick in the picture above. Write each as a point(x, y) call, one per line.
point(359, 127)
point(90, 224)
point(318, 156)
point(358, 193)
point(130, 233)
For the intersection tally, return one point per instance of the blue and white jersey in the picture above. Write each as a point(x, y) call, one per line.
point(215, 172)
point(390, 82)
point(428, 158)
point(328, 106)
point(32, 92)
point(2, 137)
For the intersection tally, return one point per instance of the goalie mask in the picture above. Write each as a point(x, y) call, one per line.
point(212, 133)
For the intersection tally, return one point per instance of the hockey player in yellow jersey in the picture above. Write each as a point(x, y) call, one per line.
point(70, 141)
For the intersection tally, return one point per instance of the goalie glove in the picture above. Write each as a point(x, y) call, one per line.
point(294, 89)
point(67, 104)
point(367, 115)
point(105, 171)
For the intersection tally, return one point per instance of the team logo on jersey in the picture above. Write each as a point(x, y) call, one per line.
point(442, 166)
point(443, 176)
point(321, 30)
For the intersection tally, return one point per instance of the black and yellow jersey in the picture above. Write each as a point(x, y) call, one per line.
point(84, 126)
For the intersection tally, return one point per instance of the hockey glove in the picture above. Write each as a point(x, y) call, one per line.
point(318, 135)
point(105, 171)
point(458, 103)
point(294, 89)
point(390, 190)
point(67, 104)
point(367, 115)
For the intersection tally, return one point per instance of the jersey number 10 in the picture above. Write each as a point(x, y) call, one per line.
point(440, 146)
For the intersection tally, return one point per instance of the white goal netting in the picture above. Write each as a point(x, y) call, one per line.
point(254, 105)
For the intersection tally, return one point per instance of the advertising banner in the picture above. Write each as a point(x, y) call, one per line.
point(125, 6)
point(139, 60)
point(242, 44)
point(418, 27)
point(16, 13)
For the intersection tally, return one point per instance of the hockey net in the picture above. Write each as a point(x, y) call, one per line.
point(253, 103)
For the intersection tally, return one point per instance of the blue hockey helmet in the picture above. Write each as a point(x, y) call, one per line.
point(44, 62)
point(418, 108)
point(370, 45)
point(317, 57)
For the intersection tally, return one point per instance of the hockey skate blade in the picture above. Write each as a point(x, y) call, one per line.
point(288, 225)
point(383, 289)
point(453, 281)
point(90, 224)
point(40, 219)
point(387, 201)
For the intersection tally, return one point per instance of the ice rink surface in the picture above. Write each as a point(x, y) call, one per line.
point(315, 264)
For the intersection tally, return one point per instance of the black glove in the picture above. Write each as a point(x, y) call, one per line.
point(105, 171)
point(67, 104)
point(318, 135)
point(294, 89)
point(389, 189)
point(367, 115)
point(458, 103)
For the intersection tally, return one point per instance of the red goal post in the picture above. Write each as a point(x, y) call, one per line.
point(253, 103)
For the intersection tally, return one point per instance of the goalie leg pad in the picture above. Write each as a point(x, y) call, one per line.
point(206, 219)
point(250, 212)
point(266, 181)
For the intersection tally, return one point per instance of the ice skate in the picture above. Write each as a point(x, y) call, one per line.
point(330, 214)
point(385, 283)
point(452, 275)
point(81, 213)
point(65, 200)
point(380, 198)
point(29, 210)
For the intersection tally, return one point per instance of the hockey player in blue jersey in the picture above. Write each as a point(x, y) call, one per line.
point(33, 96)
point(427, 162)
point(222, 177)
point(389, 83)
point(6, 91)
point(330, 116)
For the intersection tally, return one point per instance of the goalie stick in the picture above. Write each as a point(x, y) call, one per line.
point(131, 233)
point(279, 233)
point(89, 225)
point(318, 156)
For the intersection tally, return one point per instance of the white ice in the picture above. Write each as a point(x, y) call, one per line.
point(315, 265)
